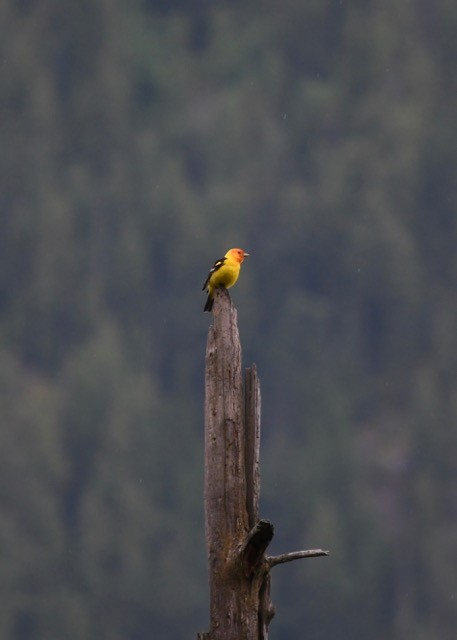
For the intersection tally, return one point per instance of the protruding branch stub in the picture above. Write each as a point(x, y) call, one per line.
point(254, 547)
point(295, 555)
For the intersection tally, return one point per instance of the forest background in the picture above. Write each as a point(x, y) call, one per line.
point(139, 140)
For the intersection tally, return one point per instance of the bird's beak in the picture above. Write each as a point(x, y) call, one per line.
point(246, 254)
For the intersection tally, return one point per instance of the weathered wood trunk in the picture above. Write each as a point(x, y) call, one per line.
point(239, 579)
point(233, 597)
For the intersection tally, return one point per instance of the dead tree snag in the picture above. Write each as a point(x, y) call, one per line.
point(239, 570)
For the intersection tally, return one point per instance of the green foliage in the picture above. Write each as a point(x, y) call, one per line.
point(139, 141)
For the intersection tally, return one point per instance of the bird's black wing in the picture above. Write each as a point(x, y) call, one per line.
point(217, 265)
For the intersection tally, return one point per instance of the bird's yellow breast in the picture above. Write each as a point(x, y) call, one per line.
point(226, 276)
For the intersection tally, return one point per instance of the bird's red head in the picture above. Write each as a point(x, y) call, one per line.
point(238, 254)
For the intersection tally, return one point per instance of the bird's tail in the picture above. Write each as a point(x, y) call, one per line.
point(209, 303)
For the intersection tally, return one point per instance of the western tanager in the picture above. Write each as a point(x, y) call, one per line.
point(224, 273)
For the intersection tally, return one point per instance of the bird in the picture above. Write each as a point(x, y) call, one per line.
point(224, 273)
